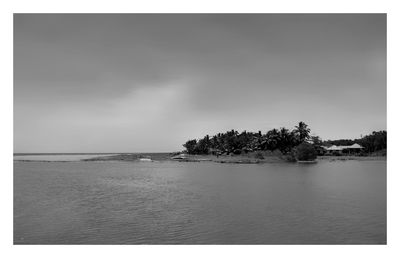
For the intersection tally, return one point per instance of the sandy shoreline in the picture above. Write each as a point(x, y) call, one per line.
point(245, 158)
point(271, 159)
point(237, 159)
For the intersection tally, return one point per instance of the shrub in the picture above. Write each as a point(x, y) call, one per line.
point(237, 151)
point(291, 156)
point(259, 155)
point(306, 152)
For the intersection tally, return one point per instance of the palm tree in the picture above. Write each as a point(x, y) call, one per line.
point(272, 139)
point(302, 131)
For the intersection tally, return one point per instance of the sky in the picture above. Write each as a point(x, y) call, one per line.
point(149, 82)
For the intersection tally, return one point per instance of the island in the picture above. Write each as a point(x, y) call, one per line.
point(276, 145)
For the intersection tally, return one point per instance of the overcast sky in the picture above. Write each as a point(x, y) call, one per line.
point(147, 83)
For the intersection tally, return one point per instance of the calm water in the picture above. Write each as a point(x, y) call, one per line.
point(52, 157)
point(199, 203)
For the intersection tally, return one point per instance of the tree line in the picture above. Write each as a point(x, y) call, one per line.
point(283, 139)
point(232, 141)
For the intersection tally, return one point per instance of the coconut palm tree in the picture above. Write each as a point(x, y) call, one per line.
point(302, 131)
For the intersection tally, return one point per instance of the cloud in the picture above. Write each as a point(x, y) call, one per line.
point(136, 82)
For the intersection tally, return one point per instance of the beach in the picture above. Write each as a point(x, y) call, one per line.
point(249, 158)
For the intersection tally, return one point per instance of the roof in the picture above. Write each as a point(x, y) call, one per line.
point(334, 148)
point(355, 146)
point(339, 148)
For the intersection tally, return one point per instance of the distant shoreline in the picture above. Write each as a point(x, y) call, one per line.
point(249, 158)
point(84, 153)
point(244, 159)
point(234, 159)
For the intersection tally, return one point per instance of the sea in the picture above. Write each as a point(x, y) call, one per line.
point(60, 199)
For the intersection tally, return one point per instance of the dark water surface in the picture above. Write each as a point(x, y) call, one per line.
point(199, 203)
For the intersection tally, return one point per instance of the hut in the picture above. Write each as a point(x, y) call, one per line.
point(334, 150)
point(339, 150)
point(352, 149)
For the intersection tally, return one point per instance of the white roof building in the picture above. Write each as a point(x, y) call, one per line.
point(334, 148)
point(354, 146)
point(340, 148)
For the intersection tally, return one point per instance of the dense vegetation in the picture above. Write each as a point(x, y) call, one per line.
point(376, 141)
point(305, 152)
point(282, 139)
point(232, 141)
